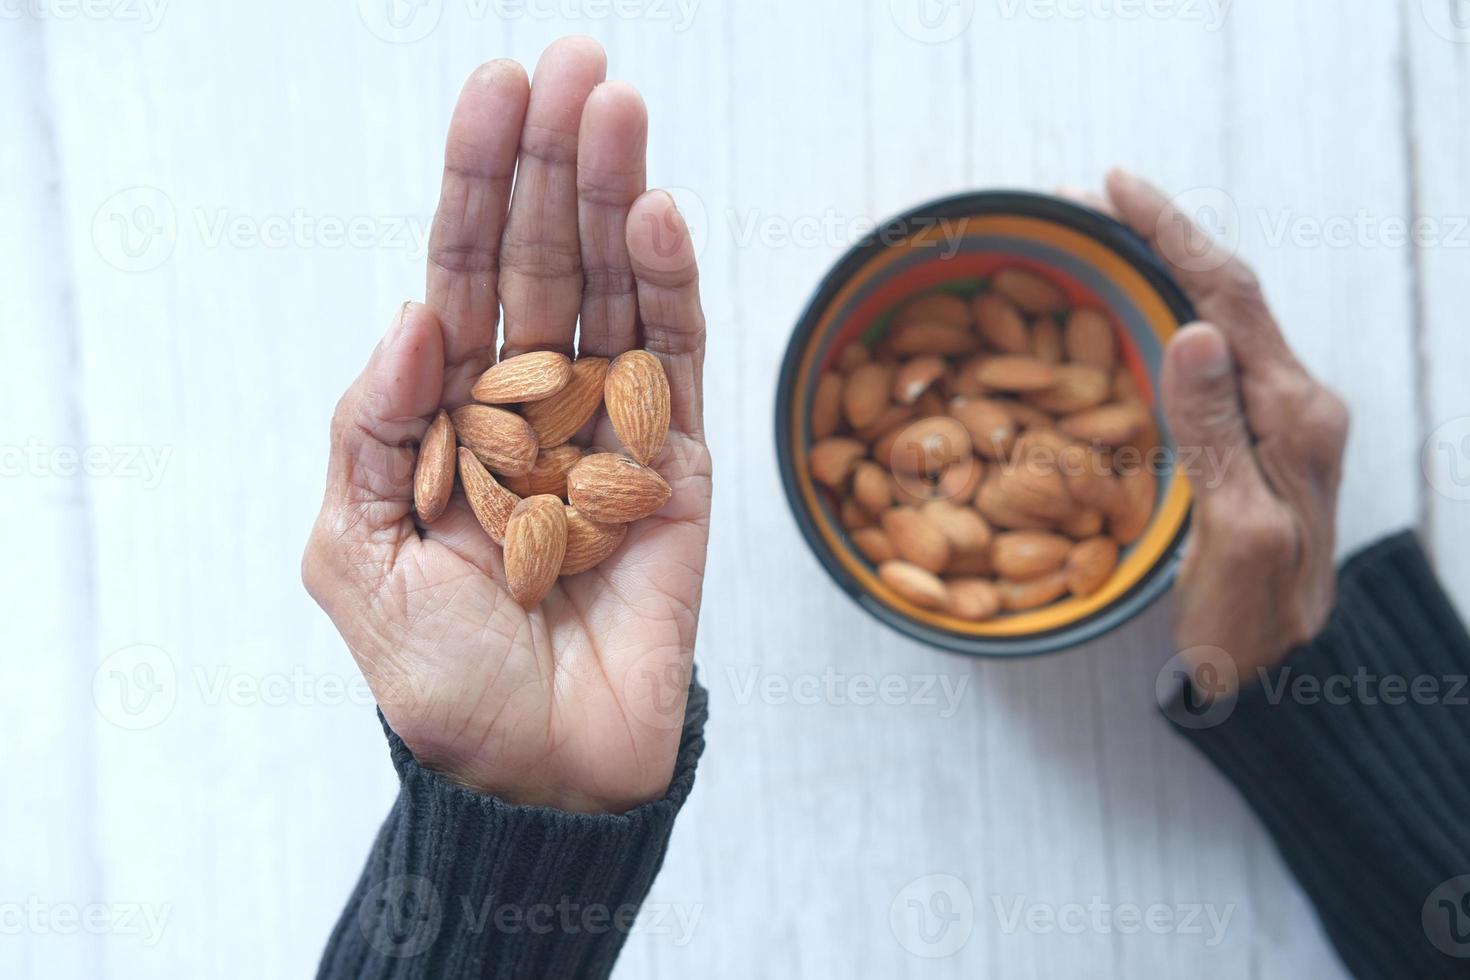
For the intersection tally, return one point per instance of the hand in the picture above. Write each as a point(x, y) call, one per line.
point(1257, 578)
point(578, 704)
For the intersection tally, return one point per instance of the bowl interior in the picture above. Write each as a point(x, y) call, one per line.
point(1097, 263)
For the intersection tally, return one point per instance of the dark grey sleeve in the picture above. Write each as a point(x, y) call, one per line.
point(464, 885)
point(1355, 754)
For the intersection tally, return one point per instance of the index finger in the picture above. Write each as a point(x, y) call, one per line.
point(464, 243)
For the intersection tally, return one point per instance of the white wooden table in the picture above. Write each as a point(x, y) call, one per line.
point(185, 736)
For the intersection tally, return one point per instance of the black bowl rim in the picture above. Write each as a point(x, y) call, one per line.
point(1128, 245)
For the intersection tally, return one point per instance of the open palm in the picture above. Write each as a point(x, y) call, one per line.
point(577, 704)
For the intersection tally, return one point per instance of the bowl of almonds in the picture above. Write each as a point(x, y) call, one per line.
point(968, 429)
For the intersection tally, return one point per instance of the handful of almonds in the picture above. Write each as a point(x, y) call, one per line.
point(987, 452)
point(557, 509)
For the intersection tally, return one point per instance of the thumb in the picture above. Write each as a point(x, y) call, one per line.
point(1203, 409)
point(374, 431)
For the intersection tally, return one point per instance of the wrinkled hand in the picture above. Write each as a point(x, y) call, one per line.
point(1257, 579)
point(578, 704)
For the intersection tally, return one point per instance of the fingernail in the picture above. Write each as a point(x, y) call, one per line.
point(395, 329)
point(1204, 352)
point(675, 216)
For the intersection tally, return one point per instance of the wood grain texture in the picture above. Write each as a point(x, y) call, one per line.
point(178, 288)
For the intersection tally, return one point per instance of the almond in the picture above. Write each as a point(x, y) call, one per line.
point(870, 487)
point(1090, 340)
point(1089, 565)
point(1110, 425)
point(874, 544)
point(969, 565)
point(1046, 341)
point(915, 377)
point(1043, 446)
point(1001, 324)
point(929, 403)
point(1137, 492)
point(827, 406)
point(966, 380)
point(1016, 374)
point(1037, 489)
point(502, 440)
point(548, 474)
point(963, 527)
point(1024, 555)
point(995, 505)
point(992, 431)
point(491, 503)
point(1019, 596)
point(914, 584)
point(910, 491)
point(636, 393)
point(958, 482)
point(1078, 387)
point(1029, 291)
point(589, 542)
point(1029, 416)
point(852, 356)
point(866, 393)
point(433, 474)
point(887, 424)
point(1086, 524)
point(931, 338)
point(929, 446)
point(1090, 479)
point(557, 419)
point(973, 598)
point(832, 460)
point(613, 489)
point(535, 544)
point(852, 516)
point(1125, 389)
point(915, 539)
point(524, 378)
point(934, 308)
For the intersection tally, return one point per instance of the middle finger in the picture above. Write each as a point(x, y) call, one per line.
point(540, 255)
